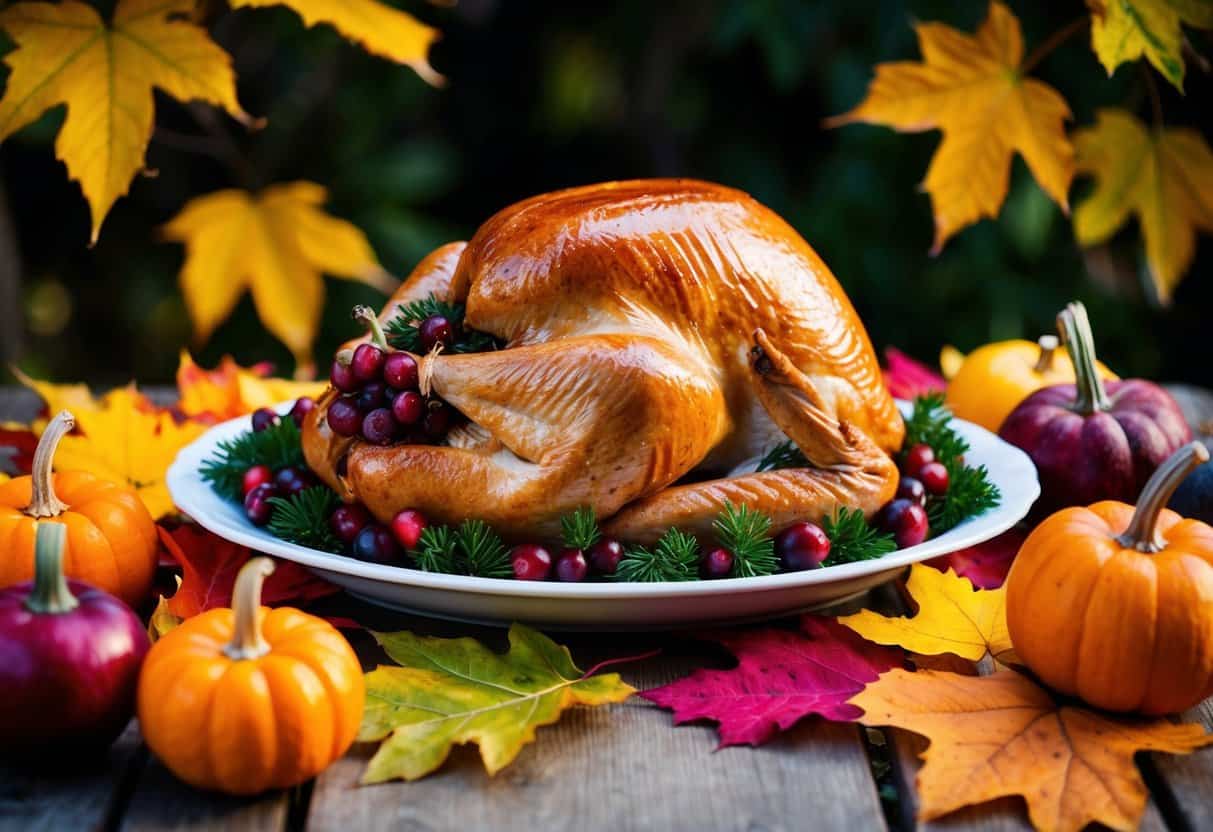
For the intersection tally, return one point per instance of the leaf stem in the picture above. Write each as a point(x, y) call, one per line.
point(1154, 96)
point(1049, 44)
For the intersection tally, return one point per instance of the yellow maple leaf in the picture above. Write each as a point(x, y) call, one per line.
point(275, 243)
point(380, 29)
point(1163, 175)
point(972, 88)
point(230, 390)
point(1003, 735)
point(1124, 30)
point(104, 73)
point(953, 617)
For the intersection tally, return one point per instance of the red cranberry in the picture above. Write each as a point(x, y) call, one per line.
point(717, 563)
point(906, 521)
point(802, 546)
point(257, 506)
point(435, 330)
point(343, 417)
point(934, 477)
point(400, 371)
point(605, 556)
point(302, 409)
point(571, 566)
point(912, 489)
point(343, 378)
point(367, 362)
point(408, 525)
point(915, 458)
point(531, 562)
point(376, 545)
point(378, 427)
point(292, 480)
point(347, 521)
point(408, 408)
point(263, 418)
point(255, 476)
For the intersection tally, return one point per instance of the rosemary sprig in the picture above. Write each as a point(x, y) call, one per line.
point(484, 553)
point(852, 538)
point(930, 423)
point(278, 446)
point(303, 518)
point(402, 332)
point(746, 533)
point(436, 550)
point(783, 455)
point(579, 530)
point(674, 558)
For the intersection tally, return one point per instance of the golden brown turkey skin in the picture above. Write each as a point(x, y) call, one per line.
point(653, 328)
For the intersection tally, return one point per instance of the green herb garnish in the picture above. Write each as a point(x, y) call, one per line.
point(402, 332)
point(674, 558)
point(783, 455)
point(746, 533)
point(579, 530)
point(853, 539)
point(484, 553)
point(278, 446)
point(436, 550)
point(303, 518)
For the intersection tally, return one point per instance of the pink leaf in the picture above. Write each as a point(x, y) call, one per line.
point(780, 677)
point(907, 378)
point(986, 564)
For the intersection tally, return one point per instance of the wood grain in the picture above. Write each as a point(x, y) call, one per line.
point(162, 802)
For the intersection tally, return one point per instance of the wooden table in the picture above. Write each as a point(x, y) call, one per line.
point(618, 768)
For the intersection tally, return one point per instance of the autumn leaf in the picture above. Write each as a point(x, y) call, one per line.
point(780, 678)
point(17, 444)
point(230, 390)
point(451, 691)
point(908, 379)
point(1124, 30)
point(972, 88)
point(209, 565)
point(1162, 175)
point(380, 29)
point(953, 617)
point(1002, 735)
point(986, 564)
point(162, 618)
point(105, 72)
point(276, 244)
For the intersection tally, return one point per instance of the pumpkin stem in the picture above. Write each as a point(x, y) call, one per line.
point(1048, 346)
point(366, 316)
point(43, 500)
point(1075, 327)
point(50, 594)
point(247, 641)
point(1142, 531)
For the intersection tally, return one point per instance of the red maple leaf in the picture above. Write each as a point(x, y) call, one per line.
point(17, 443)
point(781, 677)
point(907, 378)
point(986, 564)
point(209, 565)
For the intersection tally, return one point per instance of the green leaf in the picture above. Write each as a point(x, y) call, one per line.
point(278, 446)
point(453, 691)
point(746, 533)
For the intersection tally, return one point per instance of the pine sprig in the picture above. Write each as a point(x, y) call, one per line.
point(436, 550)
point(746, 533)
point(579, 530)
point(402, 332)
point(303, 518)
point(484, 553)
point(783, 455)
point(674, 558)
point(278, 446)
point(853, 539)
point(930, 423)
point(969, 493)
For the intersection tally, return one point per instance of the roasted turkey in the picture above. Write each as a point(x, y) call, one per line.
point(659, 336)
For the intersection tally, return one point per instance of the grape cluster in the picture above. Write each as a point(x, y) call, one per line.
point(260, 482)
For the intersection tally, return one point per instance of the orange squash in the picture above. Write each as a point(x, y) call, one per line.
point(247, 699)
point(111, 538)
point(1115, 605)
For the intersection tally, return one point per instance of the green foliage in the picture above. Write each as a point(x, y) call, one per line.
point(471, 549)
point(746, 533)
point(303, 518)
point(930, 423)
point(674, 558)
point(579, 530)
point(402, 332)
point(278, 446)
point(783, 455)
point(437, 550)
point(852, 538)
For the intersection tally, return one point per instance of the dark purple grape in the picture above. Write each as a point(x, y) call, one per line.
point(343, 378)
point(263, 418)
point(571, 567)
point(376, 545)
point(717, 563)
point(605, 556)
point(408, 408)
point(802, 546)
point(344, 418)
point(347, 521)
point(303, 407)
point(438, 419)
point(257, 506)
point(906, 521)
point(371, 397)
point(367, 363)
point(292, 480)
point(400, 371)
point(912, 489)
point(435, 330)
point(378, 427)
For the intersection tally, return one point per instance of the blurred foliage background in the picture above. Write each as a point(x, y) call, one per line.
point(543, 95)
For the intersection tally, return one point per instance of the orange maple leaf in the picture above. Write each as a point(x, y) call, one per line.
point(1003, 735)
point(972, 87)
point(230, 390)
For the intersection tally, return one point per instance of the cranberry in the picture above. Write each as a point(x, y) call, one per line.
point(343, 378)
point(257, 506)
point(912, 489)
point(571, 566)
point(408, 525)
point(347, 521)
point(292, 480)
point(438, 418)
point(408, 408)
point(934, 477)
point(343, 417)
point(906, 521)
point(531, 562)
point(400, 371)
point(717, 563)
point(255, 476)
point(302, 409)
point(435, 330)
point(918, 456)
point(378, 427)
point(802, 546)
point(367, 363)
point(263, 418)
point(605, 556)
point(376, 545)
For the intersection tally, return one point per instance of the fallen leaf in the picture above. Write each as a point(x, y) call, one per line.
point(1002, 735)
point(1163, 175)
point(230, 390)
point(908, 379)
point(953, 617)
point(451, 691)
point(780, 678)
point(379, 29)
point(75, 396)
point(986, 564)
point(105, 73)
point(17, 444)
point(162, 618)
point(276, 244)
point(209, 565)
point(971, 87)
point(1124, 30)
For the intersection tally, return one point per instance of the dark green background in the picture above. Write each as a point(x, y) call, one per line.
point(543, 95)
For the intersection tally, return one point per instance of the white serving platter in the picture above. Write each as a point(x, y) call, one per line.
point(605, 606)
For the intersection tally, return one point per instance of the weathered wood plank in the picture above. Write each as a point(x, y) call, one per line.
point(1185, 783)
point(162, 802)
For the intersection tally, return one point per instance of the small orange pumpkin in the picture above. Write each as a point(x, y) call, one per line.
point(247, 699)
point(1115, 605)
point(111, 538)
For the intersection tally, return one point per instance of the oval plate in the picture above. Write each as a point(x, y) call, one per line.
point(606, 606)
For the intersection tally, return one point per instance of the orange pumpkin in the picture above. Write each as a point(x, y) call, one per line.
point(1115, 605)
point(247, 699)
point(111, 538)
